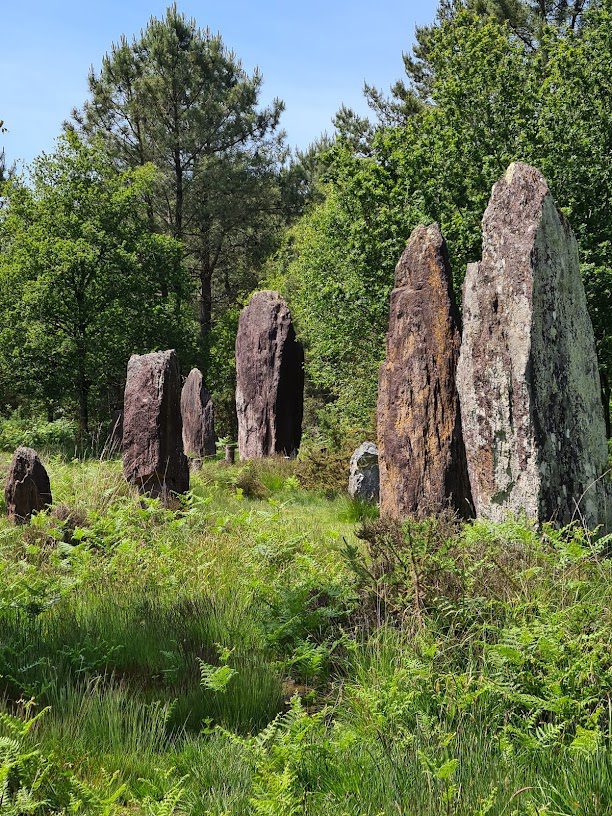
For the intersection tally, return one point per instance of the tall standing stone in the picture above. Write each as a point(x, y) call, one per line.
point(198, 415)
point(153, 457)
point(421, 453)
point(269, 379)
point(27, 489)
point(533, 420)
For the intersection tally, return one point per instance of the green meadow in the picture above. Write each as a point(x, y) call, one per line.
point(264, 648)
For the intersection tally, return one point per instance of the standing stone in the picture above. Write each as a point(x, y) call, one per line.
point(532, 415)
point(27, 489)
point(198, 415)
point(269, 379)
point(364, 478)
point(153, 457)
point(422, 457)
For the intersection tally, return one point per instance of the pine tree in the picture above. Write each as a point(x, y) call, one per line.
point(177, 97)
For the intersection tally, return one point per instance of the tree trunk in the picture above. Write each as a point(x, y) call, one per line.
point(83, 405)
point(82, 383)
point(178, 201)
point(205, 302)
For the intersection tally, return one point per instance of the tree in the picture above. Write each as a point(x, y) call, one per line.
point(77, 279)
point(485, 100)
point(178, 98)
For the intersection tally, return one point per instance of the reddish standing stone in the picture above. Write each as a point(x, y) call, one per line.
point(198, 415)
point(153, 457)
point(269, 379)
point(421, 453)
point(28, 489)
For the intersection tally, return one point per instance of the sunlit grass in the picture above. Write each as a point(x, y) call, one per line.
point(109, 618)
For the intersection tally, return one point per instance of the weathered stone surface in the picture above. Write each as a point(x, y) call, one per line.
point(153, 457)
point(422, 457)
point(364, 480)
point(532, 415)
point(198, 415)
point(269, 379)
point(27, 489)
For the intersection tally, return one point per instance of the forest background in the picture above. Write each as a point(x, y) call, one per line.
point(172, 194)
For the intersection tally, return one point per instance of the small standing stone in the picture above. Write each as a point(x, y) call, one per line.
point(28, 489)
point(422, 457)
point(153, 457)
point(532, 415)
point(364, 476)
point(198, 415)
point(269, 379)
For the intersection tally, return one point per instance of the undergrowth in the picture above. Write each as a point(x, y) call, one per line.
point(268, 648)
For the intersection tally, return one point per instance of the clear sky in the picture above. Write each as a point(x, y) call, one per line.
point(314, 55)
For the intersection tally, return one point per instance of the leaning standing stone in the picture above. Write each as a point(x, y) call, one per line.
point(27, 489)
point(422, 457)
point(198, 415)
point(269, 379)
point(364, 475)
point(153, 457)
point(532, 415)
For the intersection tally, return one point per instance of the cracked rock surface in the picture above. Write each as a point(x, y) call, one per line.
point(27, 489)
point(198, 415)
point(528, 379)
point(153, 457)
point(422, 457)
point(269, 379)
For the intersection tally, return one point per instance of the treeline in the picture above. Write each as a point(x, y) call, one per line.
point(145, 228)
point(488, 83)
point(171, 195)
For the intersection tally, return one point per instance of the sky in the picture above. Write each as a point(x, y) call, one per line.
point(314, 55)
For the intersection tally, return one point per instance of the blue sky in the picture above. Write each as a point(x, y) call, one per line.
point(313, 55)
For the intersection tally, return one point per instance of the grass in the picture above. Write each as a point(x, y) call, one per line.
point(249, 653)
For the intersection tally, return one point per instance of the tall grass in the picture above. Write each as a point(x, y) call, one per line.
point(433, 669)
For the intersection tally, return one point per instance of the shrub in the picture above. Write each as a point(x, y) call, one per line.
point(37, 433)
point(324, 468)
point(249, 484)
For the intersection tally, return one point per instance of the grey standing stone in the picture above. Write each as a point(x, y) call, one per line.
point(198, 416)
point(528, 380)
point(364, 481)
point(27, 489)
point(153, 457)
point(269, 379)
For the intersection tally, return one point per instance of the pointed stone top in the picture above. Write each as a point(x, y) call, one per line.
point(515, 211)
point(265, 295)
point(154, 356)
point(195, 374)
point(517, 197)
point(520, 171)
point(424, 263)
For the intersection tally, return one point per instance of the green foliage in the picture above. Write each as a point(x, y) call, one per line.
point(61, 434)
point(176, 96)
point(32, 781)
point(78, 291)
point(478, 99)
point(237, 656)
